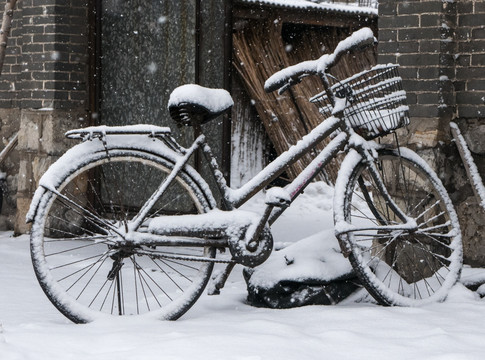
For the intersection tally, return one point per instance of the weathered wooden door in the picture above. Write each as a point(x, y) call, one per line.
point(147, 49)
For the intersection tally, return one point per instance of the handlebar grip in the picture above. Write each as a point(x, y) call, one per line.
point(290, 75)
point(359, 41)
point(270, 86)
point(283, 88)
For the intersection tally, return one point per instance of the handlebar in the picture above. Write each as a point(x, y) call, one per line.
point(285, 78)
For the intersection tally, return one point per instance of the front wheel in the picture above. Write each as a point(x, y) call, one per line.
point(88, 275)
point(400, 267)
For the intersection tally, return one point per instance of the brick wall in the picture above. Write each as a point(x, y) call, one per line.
point(46, 58)
point(440, 46)
point(470, 60)
point(10, 79)
point(418, 35)
point(43, 91)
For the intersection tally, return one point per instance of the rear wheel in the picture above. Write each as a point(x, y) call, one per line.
point(401, 267)
point(85, 273)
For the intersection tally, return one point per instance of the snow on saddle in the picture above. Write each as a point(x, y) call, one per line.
point(191, 104)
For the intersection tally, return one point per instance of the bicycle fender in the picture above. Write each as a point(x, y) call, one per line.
point(82, 153)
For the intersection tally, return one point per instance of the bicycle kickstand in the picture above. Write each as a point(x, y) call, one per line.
point(219, 280)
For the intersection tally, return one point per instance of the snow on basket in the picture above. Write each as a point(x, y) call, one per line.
point(377, 101)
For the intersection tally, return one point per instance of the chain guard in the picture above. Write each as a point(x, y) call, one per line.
point(245, 257)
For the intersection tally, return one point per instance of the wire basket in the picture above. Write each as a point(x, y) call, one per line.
point(377, 101)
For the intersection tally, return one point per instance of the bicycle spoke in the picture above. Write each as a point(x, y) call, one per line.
point(136, 286)
point(167, 275)
point(106, 297)
point(89, 281)
point(81, 238)
point(65, 232)
point(73, 249)
point(88, 215)
point(142, 271)
point(87, 268)
point(445, 225)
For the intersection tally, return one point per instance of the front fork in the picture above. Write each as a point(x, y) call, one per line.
point(369, 157)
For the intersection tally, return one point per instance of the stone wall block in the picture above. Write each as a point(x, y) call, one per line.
point(41, 142)
point(39, 167)
point(21, 227)
point(30, 134)
point(388, 7)
point(424, 132)
point(419, 7)
point(24, 181)
point(55, 125)
point(474, 136)
point(471, 221)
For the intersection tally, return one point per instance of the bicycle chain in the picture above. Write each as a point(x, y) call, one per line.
point(186, 258)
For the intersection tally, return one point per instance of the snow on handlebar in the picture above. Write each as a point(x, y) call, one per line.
point(291, 75)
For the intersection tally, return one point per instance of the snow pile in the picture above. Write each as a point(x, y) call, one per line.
point(317, 259)
point(226, 327)
point(352, 7)
point(310, 253)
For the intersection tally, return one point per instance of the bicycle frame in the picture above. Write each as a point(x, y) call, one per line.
point(234, 198)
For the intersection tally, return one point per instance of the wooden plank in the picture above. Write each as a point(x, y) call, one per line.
point(5, 30)
point(470, 167)
point(10, 146)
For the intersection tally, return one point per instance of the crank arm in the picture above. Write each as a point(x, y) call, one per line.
point(252, 237)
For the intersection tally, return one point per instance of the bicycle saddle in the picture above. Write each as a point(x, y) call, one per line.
point(189, 103)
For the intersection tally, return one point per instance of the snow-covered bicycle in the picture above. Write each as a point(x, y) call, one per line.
point(102, 247)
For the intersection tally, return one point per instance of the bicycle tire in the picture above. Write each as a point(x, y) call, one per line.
point(400, 267)
point(79, 268)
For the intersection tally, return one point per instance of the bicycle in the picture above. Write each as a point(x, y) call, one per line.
point(100, 246)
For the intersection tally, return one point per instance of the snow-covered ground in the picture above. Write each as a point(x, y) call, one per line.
point(225, 327)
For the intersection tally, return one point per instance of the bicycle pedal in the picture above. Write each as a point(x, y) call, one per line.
point(278, 197)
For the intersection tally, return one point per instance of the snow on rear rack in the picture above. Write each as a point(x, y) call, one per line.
point(100, 132)
point(92, 132)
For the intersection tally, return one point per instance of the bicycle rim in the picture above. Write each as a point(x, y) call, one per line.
point(400, 267)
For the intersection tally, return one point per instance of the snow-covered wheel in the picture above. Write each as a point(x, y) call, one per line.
point(399, 267)
point(84, 273)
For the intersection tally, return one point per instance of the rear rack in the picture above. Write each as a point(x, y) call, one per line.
point(100, 132)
